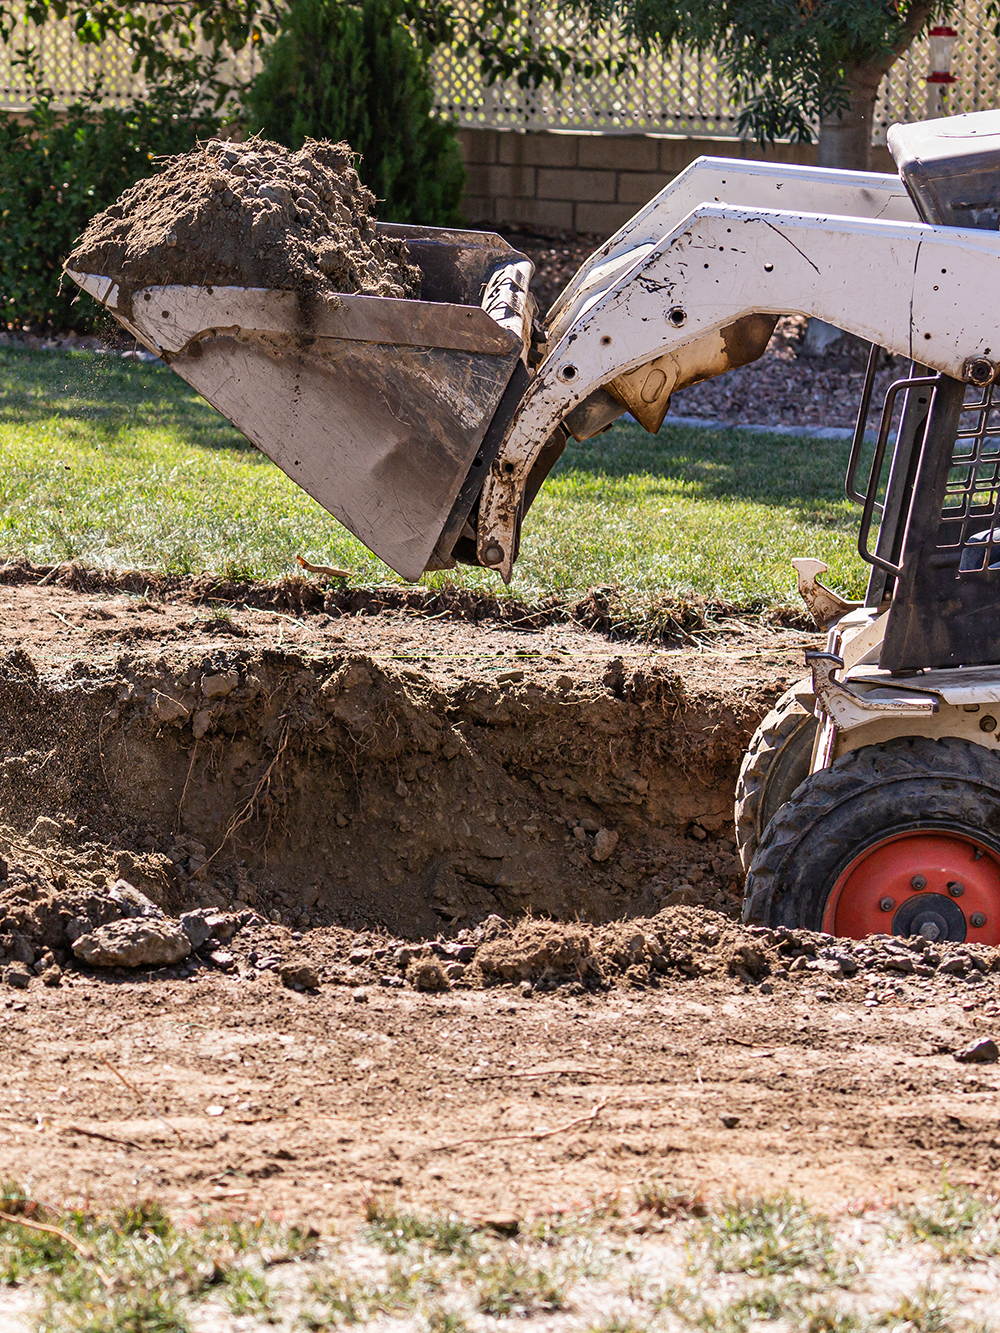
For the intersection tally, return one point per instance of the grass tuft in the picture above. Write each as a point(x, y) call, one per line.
point(771, 1237)
point(961, 1227)
point(512, 1284)
point(618, 1323)
point(393, 1230)
point(134, 1271)
point(247, 1292)
point(653, 1196)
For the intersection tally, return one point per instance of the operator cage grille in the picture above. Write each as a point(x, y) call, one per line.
point(970, 511)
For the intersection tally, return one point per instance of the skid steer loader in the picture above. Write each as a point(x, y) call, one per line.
point(869, 800)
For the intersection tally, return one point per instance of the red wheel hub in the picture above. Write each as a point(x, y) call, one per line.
point(932, 883)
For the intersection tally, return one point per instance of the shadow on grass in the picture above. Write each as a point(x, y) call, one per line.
point(107, 394)
point(720, 465)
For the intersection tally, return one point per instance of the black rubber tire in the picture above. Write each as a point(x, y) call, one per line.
point(904, 785)
point(776, 762)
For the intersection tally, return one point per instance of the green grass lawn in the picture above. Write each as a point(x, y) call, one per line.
point(115, 463)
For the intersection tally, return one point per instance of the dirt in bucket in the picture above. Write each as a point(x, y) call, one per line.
point(249, 214)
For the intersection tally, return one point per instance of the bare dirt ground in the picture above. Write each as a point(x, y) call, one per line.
point(485, 1102)
point(370, 803)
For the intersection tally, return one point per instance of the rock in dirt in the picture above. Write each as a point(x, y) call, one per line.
point(730, 1121)
point(605, 842)
point(983, 1052)
point(683, 896)
point(45, 832)
point(17, 975)
point(747, 960)
point(954, 967)
point(196, 928)
point(131, 901)
point(135, 942)
point(249, 214)
point(207, 923)
point(297, 974)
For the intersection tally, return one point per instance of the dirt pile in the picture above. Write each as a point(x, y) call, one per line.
point(51, 921)
point(677, 944)
point(252, 214)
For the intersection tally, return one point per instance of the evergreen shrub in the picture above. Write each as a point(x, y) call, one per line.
point(353, 71)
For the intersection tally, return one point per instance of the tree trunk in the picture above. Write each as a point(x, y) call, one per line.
point(845, 140)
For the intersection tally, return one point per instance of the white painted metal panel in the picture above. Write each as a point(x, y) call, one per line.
point(930, 293)
point(720, 180)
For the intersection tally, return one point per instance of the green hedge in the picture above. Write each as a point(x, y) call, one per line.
point(59, 169)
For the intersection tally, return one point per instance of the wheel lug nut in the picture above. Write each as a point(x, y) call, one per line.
point(977, 920)
point(956, 889)
point(886, 904)
point(918, 882)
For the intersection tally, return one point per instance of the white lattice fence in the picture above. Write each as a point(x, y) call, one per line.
point(71, 68)
point(976, 66)
point(683, 95)
point(687, 95)
point(67, 65)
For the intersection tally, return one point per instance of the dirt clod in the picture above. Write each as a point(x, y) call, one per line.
point(134, 943)
point(297, 974)
point(427, 974)
point(749, 961)
point(540, 950)
point(251, 214)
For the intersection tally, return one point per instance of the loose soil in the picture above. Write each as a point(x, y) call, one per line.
point(477, 888)
point(339, 766)
point(249, 214)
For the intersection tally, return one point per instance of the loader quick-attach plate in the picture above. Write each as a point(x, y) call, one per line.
point(946, 605)
point(376, 407)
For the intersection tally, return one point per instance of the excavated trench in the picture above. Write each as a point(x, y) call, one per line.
point(367, 771)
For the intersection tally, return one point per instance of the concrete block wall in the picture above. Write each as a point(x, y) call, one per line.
point(588, 182)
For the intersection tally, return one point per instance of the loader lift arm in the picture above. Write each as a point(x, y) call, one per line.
point(858, 194)
point(924, 292)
